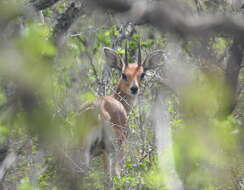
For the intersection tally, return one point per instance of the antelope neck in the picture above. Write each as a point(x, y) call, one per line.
point(124, 99)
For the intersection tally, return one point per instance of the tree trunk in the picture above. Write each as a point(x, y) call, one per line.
point(232, 74)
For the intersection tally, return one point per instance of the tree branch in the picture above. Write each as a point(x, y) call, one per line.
point(116, 5)
point(70, 15)
point(42, 4)
point(7, 163)
point(168, 16)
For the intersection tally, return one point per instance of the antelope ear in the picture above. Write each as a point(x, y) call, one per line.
point(113, 59)
point(152, 60)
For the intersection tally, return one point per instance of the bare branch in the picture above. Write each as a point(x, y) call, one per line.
point(126, 31)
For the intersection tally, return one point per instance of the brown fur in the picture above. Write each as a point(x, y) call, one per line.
point(113, 114)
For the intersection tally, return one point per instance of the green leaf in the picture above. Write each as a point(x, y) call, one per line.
point(87, 97)
point(25, 184)
point(4, 132)
point(35, 41)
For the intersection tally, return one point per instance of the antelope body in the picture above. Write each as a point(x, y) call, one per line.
point(112, 111)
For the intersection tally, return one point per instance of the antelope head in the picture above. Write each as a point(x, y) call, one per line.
point(132, 74)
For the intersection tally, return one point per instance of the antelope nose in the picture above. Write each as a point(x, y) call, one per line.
point(134, 89)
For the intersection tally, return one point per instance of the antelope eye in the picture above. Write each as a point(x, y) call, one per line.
point(124, 77)
point(142, 76)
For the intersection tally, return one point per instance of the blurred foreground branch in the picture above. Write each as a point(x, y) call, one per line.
point(168, 16)
point(164, 143)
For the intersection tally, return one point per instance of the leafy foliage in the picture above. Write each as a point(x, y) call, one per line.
point(208, 152)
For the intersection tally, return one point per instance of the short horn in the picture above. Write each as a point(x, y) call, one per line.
point(139, 54)
point(126, 53)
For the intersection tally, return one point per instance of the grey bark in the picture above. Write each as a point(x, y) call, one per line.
point(7, 163)
point(42, 4)
point(232, 74)
point(66, 19)
point(116, 5)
